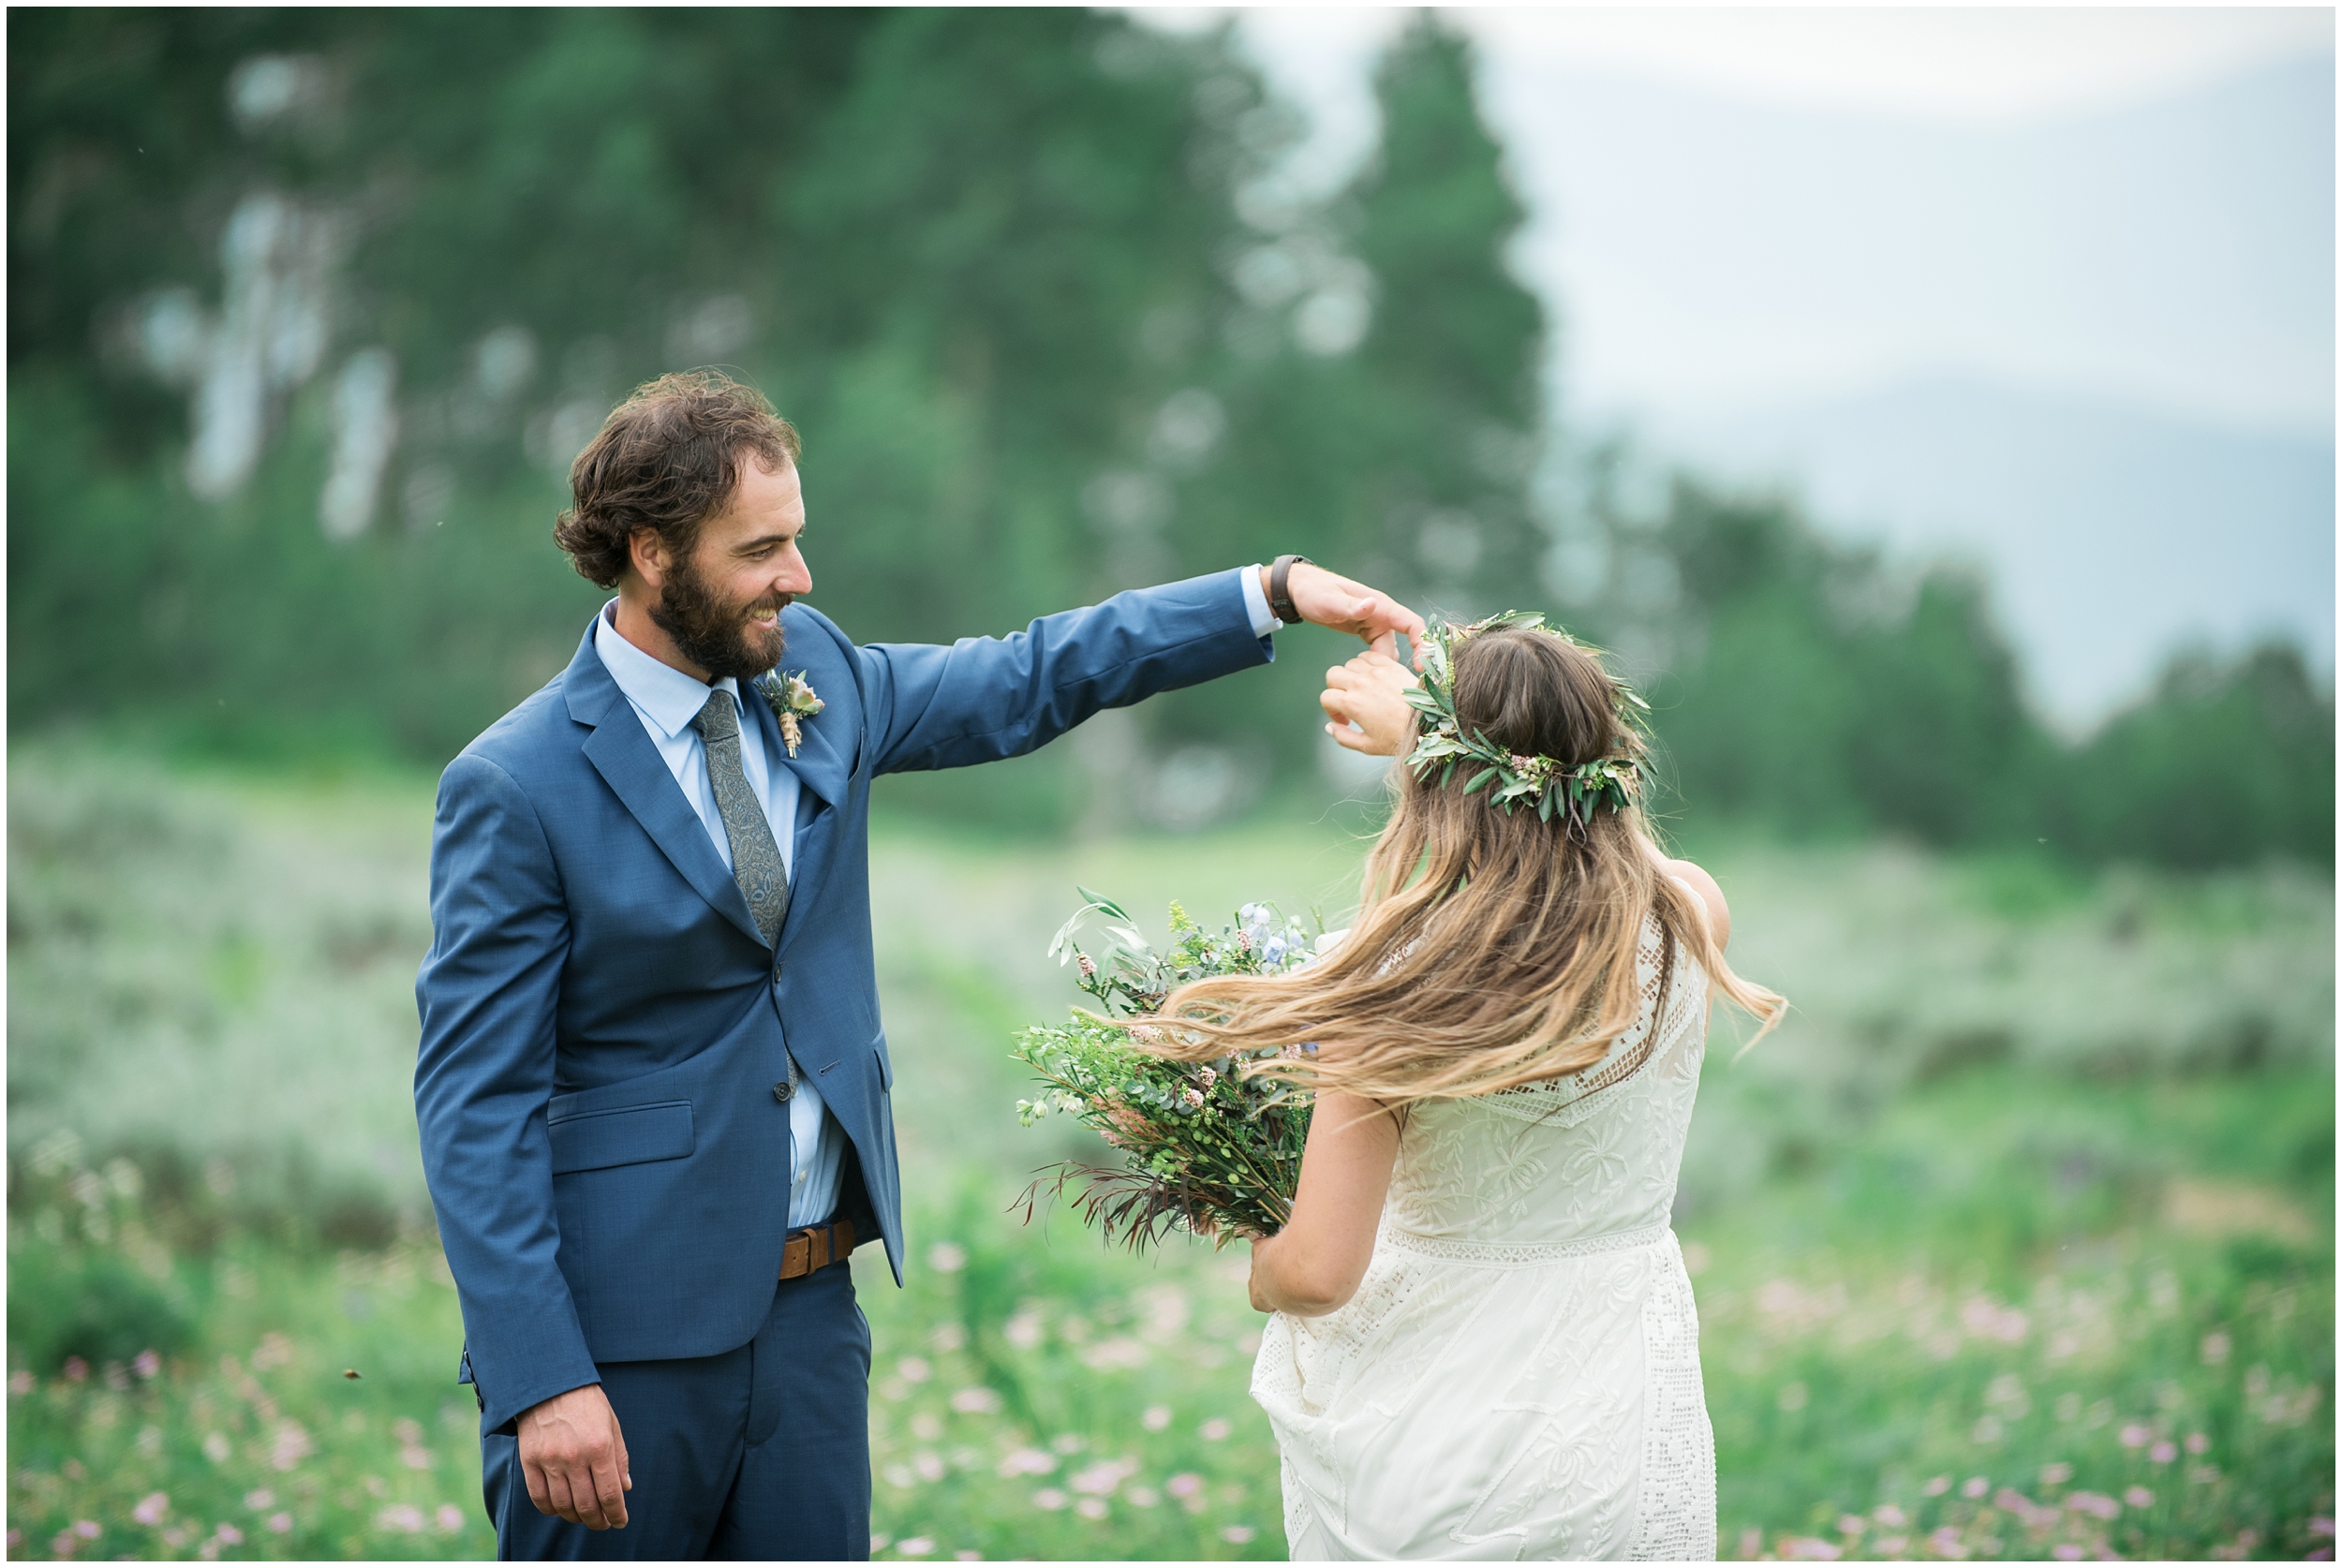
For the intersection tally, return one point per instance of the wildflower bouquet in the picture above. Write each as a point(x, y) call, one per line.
point(1205, 1145)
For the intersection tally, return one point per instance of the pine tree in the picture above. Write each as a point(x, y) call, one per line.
point(1398, 456)
point(1452, 359)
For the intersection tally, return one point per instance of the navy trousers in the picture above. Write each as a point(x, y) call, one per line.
point(762, 1452)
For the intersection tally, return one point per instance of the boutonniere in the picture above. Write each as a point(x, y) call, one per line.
point(792, 700)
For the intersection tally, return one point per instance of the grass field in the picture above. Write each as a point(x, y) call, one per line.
point(2016, 1241)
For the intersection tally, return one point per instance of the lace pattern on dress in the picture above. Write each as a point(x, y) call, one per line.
point(1516, 1254)
point(1567, 1101)
point(1678, 1513)
point(1517, 1376)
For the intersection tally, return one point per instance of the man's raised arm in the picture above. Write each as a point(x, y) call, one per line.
point(985, 698)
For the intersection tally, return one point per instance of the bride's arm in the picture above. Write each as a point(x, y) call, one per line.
point(1313, 1266)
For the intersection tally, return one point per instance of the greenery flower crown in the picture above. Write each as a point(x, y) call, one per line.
point(1613, 781)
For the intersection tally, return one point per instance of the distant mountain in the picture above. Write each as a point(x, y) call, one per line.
point(2112, 535)
point(1708, 251)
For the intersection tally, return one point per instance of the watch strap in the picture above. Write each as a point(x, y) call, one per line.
point(1280, 599)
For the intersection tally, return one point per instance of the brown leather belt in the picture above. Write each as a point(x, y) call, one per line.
point(815, 1246)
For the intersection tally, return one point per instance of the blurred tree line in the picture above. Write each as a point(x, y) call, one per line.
point(311, 309)
point(1811, 689)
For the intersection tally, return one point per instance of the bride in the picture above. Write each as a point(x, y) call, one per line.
point(1484, 1343)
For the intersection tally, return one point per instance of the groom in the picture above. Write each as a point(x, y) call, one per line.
point(652, 1088)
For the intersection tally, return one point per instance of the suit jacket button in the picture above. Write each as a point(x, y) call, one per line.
point(782, 1091)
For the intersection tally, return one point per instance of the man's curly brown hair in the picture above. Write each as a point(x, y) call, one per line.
point(667, 459)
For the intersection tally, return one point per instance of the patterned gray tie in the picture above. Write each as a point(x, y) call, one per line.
point(756, 863)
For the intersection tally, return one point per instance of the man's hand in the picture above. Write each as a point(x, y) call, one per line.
point(574, 1458)
point(1370, 691)
point(1325, 598)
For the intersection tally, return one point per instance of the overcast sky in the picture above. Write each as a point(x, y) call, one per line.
point(1733, 207)
point(2048, 290)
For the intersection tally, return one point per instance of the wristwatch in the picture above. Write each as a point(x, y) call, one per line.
point(1280, 601)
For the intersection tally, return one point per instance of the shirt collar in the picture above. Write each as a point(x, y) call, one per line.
point(661, 692)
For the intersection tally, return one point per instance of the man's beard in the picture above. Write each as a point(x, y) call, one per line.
point(710, 633)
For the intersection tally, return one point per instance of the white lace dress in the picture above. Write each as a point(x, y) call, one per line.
point(1517, 1376)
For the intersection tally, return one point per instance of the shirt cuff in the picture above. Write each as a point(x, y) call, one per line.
point(1264, 619)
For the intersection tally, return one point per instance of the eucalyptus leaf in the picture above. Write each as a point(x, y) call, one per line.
point(1103, 905)
point(1061, 946)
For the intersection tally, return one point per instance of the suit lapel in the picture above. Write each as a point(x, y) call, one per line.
point(817, 765)
point(822, 774)
point(623, 754)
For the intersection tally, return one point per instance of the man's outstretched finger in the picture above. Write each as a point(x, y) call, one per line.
point(1328, 600)
point(1385, 615)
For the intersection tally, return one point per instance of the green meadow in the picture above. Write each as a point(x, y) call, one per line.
point(2015, 1241)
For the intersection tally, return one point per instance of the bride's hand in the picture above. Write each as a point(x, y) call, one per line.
point(1212, 1234)
point(1252, 1284)
point(1369, 692)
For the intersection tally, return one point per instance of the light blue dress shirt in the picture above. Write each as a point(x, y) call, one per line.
point(666, 701)
point(1256, 601)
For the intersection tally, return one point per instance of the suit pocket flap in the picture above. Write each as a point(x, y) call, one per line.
point(625, 1135)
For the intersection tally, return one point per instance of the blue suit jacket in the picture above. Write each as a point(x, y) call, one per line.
point(603, 1025)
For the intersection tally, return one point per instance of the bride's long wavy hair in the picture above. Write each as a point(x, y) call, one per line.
point(1491, 950)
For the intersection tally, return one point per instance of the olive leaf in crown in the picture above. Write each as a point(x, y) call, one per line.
point(1612, 781)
